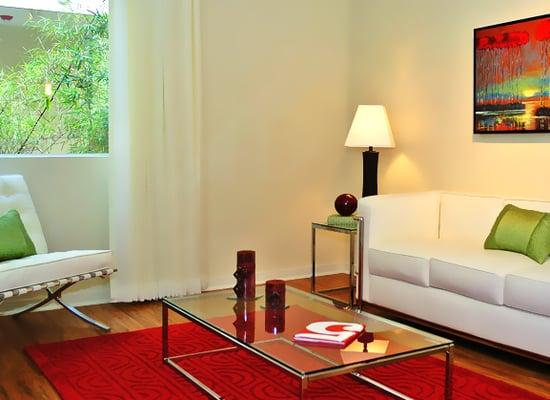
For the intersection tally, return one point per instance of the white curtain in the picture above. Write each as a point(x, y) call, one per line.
point(155, 188)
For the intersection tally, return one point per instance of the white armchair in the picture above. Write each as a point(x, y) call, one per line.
point(52, 272)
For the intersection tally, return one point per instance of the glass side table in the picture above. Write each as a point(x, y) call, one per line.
point(355, 286)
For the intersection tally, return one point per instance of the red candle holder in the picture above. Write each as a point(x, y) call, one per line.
point(245, 275)
point(366, 338)
point(275, 294)
point(275, 320)
point(245, 320)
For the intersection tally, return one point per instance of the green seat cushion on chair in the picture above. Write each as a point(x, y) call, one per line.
point(15, 242)
point(522, 231)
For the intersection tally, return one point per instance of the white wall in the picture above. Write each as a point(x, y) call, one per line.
point(417, 59)
point(276, 102)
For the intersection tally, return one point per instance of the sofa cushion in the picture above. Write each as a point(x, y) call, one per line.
point(467, 218)
point(413, 216)
point(405, 260)
point(529, 289)
point(474, 272)
point(543, 206)
point(40, 268)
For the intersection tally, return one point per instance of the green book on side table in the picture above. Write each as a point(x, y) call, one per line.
point(342, 221)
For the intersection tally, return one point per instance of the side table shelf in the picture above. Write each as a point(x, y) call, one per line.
point(355, 286)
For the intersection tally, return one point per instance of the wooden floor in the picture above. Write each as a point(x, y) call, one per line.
point(20, 379)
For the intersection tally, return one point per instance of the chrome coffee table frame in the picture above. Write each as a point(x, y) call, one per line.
point(305, 377)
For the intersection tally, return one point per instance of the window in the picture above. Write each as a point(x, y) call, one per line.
point(54, 77)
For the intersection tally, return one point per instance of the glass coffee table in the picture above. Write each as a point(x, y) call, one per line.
point(268, 334)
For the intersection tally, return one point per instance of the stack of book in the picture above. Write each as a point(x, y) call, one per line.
point(329, 333)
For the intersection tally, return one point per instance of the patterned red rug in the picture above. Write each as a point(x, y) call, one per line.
point(128, 366)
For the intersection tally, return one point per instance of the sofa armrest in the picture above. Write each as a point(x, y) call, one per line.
point(394, 217)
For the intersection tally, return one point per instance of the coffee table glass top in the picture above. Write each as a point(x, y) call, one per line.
point(269, 333)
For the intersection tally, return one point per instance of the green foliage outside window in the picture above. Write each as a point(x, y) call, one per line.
point(56, 99)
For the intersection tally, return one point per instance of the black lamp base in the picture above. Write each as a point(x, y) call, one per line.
point(370, 172)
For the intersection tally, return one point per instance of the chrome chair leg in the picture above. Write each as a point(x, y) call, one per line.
point(82, 316)
point(56, 295)
point(51, 296)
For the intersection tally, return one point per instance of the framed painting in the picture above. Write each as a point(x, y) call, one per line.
point(512, 77)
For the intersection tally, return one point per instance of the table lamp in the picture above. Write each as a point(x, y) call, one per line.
point(370, 128)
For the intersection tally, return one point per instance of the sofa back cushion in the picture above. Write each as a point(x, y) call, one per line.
point(542, 206)
point(467, 218)
point(400, 216)
point(14, 195)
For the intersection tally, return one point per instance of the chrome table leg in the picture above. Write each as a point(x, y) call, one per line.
point(351, 270)
point(164, 332)
point(313, 244)
point(449, 356)
point(303, 387)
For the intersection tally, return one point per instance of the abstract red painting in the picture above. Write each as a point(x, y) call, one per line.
point(512, 77)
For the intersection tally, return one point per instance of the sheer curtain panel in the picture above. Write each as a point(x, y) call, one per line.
point(155, 134)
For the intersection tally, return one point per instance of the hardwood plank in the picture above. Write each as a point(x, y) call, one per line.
point(22, 380)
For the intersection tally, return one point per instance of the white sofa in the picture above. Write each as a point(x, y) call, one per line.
point(424, 257)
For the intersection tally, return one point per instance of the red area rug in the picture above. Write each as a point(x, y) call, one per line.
point(128, 366)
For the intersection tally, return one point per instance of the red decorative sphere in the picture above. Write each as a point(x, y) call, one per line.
point(345, 204)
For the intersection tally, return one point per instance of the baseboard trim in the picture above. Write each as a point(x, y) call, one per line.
point(94, 292)
point(402, 317)
point(286, 274)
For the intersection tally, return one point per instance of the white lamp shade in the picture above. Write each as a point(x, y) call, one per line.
point(370, 127)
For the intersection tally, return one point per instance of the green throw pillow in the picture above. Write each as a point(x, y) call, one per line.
point(522, 231)
point(14, 239)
